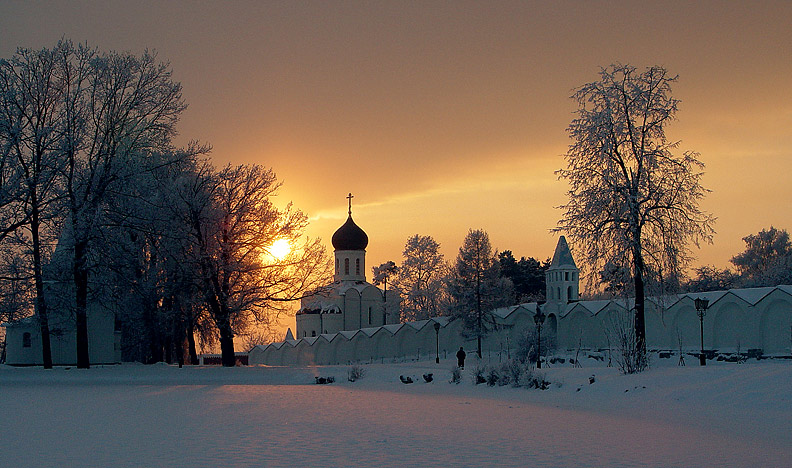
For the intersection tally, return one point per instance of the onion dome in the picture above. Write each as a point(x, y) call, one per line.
point(350, 237)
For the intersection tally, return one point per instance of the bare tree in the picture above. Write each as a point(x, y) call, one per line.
point(233, 222)
point(119, 108)
point(421, 277)
point(31, 102)
point(632, 202)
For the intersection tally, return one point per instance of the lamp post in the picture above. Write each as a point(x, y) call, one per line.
point(437, 341)
point(539, 320)
point(701, 310)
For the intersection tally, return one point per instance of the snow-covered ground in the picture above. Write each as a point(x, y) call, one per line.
point(722, 415)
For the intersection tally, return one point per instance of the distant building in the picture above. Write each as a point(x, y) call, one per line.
point(23, 337)
point(350, 302)
point(753, 320)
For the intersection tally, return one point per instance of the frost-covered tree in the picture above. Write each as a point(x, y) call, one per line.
point(145, 265)
point(118, 109)
point(710, 278)
point(31, 115)
point(383, 273)
point(632, 202)
point(232, 223)
point(475, 286)
point(420, 279)
point(767, 259)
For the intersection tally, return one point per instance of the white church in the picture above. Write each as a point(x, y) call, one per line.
point(354, 322)
point(350, 302)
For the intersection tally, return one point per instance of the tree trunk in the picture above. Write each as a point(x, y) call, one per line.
point(81, 303)
point(227, 343)
point(640, 321)
point(41, 302)
point(479, 318)
point(191, 344)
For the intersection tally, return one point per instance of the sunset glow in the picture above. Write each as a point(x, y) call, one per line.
point(441, 117)
point(279, 249)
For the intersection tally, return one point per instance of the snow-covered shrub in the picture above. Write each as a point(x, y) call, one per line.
point(479, 374)
point(621, 332)
point(526, 345)
point(355, 373)
point(512, 371)
point(493, 375)
point(537, 380)
point(456, 375)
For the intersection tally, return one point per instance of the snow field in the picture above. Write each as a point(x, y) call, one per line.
point(724, 415)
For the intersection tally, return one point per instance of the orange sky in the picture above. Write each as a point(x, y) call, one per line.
point(445, 116)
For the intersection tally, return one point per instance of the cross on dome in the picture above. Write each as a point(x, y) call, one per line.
point(350, 197)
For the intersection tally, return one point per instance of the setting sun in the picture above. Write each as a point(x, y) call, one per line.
point(279, 249)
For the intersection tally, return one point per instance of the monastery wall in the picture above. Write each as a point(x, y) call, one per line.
point(740, 319)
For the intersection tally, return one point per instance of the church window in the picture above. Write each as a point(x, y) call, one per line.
point(566, 276)
point(369, 315)
point(26, 340)
point(558, 293)
point(569, 293)
point(305, 334)
point(313, 332)
point(346, 266)
point(357, 266)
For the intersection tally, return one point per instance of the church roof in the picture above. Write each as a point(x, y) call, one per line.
point(562, 258)
point(350, 237)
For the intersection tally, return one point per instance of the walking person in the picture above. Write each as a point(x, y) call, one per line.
point(461, 357)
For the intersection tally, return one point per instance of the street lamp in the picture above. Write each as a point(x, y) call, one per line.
point(437, 341)
point(539, 318)
point(701, 310)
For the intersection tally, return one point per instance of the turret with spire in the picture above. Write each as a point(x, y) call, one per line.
point(562, 277)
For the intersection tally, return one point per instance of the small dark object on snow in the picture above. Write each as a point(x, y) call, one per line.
point(592, 380)
point(428, 377)
point(406, 380)
point(324, 380)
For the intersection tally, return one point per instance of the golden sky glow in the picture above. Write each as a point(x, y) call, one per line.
point(279, 249)
point(445, 116)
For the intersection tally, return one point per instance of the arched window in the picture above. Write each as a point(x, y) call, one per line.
point(569, 293)
point(313, 332)
point(357, 266)
point(26, 340)
point(566, 276)
point(369, 315)
point(558, 293)
point(346, 266)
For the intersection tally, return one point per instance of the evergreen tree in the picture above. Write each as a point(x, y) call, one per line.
point(475, 286)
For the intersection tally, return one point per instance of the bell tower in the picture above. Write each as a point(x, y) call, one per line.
point(350, 243)
point(563, 276)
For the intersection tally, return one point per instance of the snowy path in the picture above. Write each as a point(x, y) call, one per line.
point(104, 418)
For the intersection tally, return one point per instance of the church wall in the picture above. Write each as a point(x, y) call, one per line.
point(683, 326)
point(103, 346)
point(729, 320)
point(657, 330)
point(729, 327)
point(776, 326)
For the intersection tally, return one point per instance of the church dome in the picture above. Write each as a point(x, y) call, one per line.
point(350, 237)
